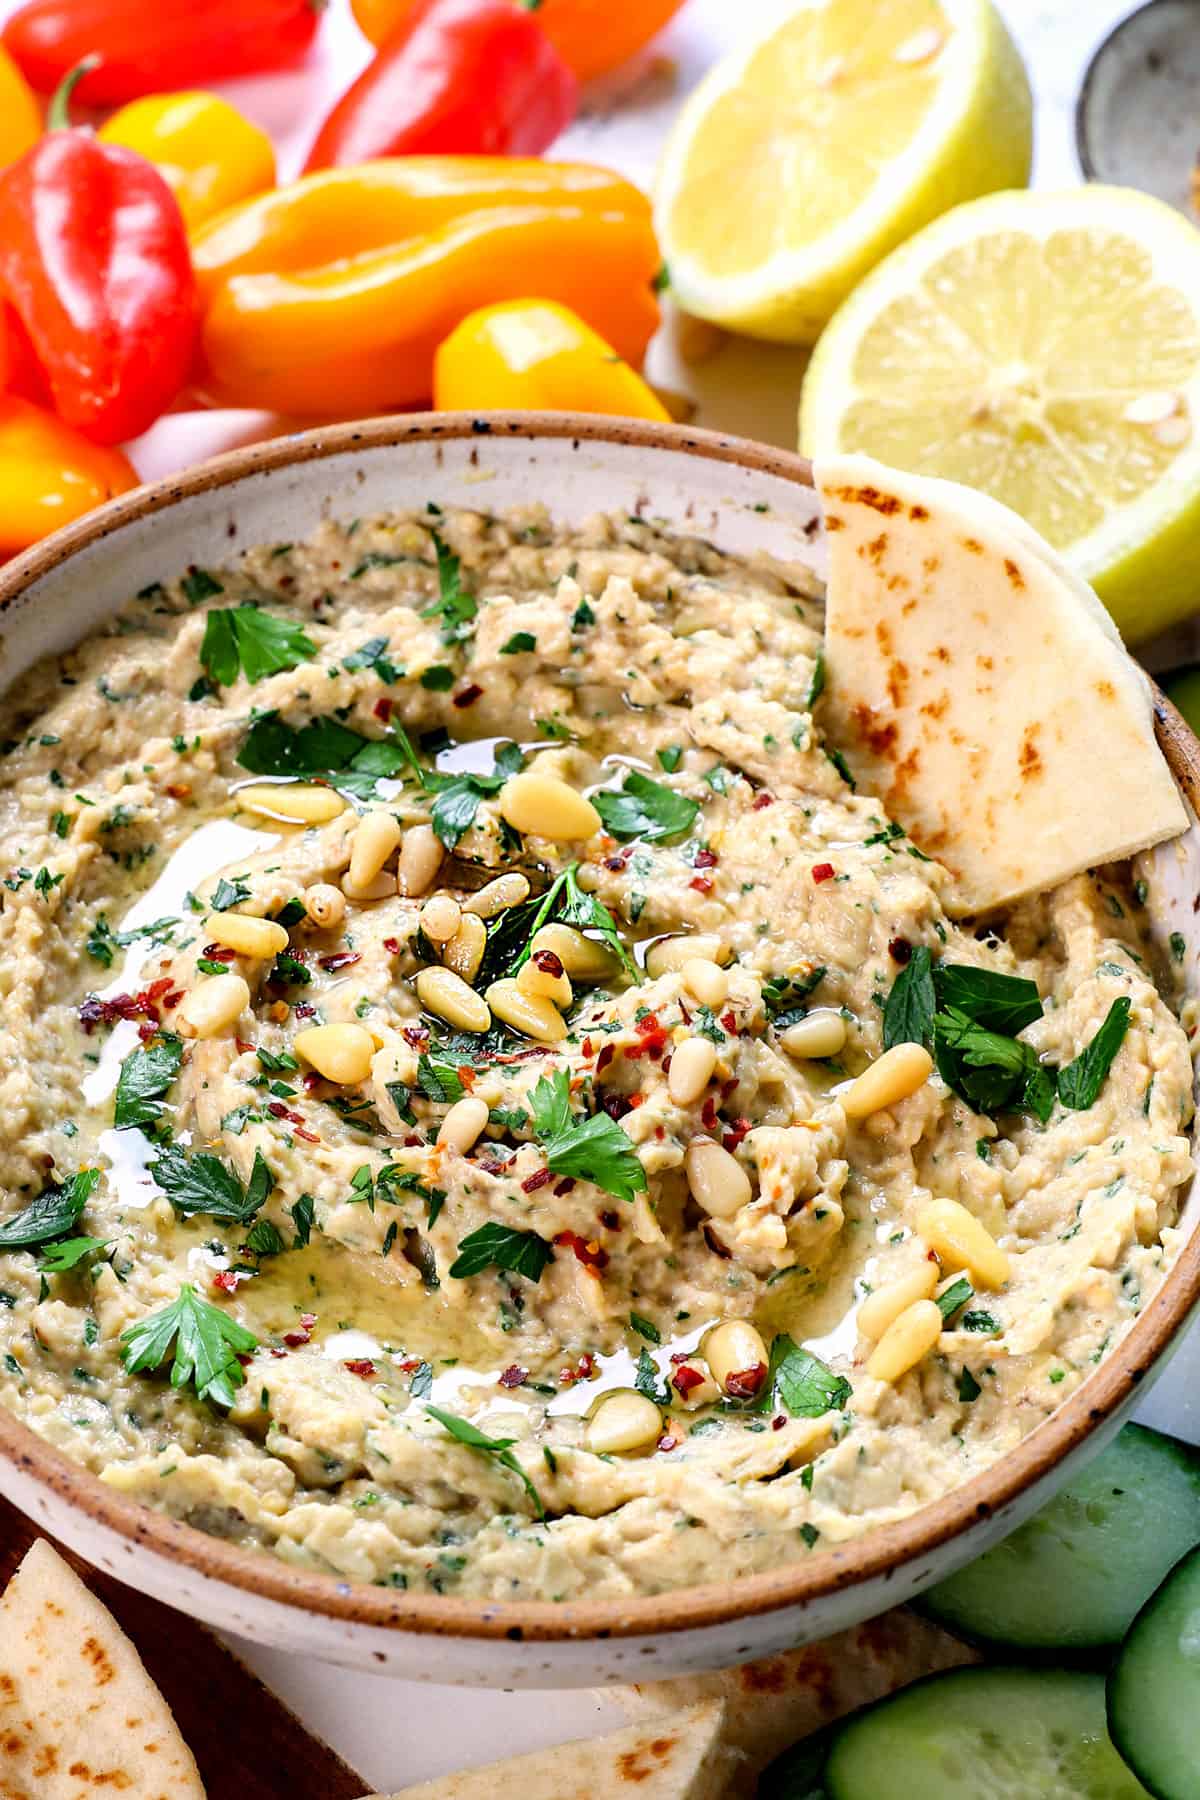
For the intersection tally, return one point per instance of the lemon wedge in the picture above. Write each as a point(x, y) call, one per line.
point(801, 161)
point(1044, 348)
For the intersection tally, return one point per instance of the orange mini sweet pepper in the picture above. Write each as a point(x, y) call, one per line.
point(536, 355)
point(330, 297)
point(50, 474)
point(591, 36)
point(208, 154)
point(20, 115)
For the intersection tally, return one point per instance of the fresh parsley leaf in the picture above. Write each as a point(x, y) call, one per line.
point(644, 808)
point(980, 1321)
point(440, 1081)
point(648, 1382)
point(1000, 1003)
point(500, 1448)
point(816, 682)
point(1080, 1082)
point(519, 644)
point(255, 642)
point(908, 1014)
point(955, 1298)
point(511, 932)
point(289, 970)
point(990, 1072)
point(400, 1094)
point(302, 1219)
point(501, 1247)
point(645, 1329)
point(670, 757)
point(372, 655)
point(50, 1215)
point(57, 1259)
point(145, 1076)
point(594, 1148)
point(968, 1388)
point(327, 749)
point(263, 1239)
point(199, 585)
point(227, 894)
point(455, 608)
point(275, 1061)
point(788, 994)
point(806, 1385)
point(207, 1346)
point(203, 1184)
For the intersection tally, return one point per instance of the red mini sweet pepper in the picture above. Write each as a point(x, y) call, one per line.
point(460, 77)
point(152, 48)
point(94, 262)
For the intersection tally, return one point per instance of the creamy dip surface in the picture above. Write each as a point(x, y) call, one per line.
point(252, 1277)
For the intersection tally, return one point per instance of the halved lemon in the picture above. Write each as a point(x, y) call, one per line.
point(1046, 349)
point(801, 161)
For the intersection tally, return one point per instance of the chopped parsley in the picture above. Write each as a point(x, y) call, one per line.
point(496, 1246)
point(501, 1448)
point(642, 808)
point(246, 640)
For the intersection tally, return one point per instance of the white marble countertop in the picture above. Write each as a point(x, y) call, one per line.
point(397, 1733)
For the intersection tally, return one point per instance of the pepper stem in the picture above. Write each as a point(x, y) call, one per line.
point(58, 113)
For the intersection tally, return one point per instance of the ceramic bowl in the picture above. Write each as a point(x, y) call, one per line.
point(744, 497)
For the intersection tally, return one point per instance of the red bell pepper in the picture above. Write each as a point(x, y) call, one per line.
point(152, 48)
point(94, 263)
point(459, 76)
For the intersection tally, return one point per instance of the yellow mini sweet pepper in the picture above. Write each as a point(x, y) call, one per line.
point(20, 116)
point(206, 151)
point(330, 297)
point(536, 355)
point(50, 474)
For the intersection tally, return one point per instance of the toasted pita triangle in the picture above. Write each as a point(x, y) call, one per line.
point(978, 686)
point(673, 1756)
point(79, 1716)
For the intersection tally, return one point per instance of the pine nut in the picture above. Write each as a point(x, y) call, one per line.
point(294, 801)
point(719, 1184)
point(463, 1124)
point(671, 953)
point(380, 887)
point(895, 1075)
point(464, 952)
point(961, 1242)
point(530, 1014)
point(376, 835)
point(538, 976)
point(909, 1337)
point(324, 904)
point(498, 896)
point(738, 1358)
point(820, 1034)
point(887, 1303)
point(692, 1064)
point(443, 992)
point(440, 918)
point(546, 806)
point(420, 859)
point(622, 1420)
point(215, 1006)
point(340, 1053)
point(247, 935)
point(584, 958)
point(705, 981)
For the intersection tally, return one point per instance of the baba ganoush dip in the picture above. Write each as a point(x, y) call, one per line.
point(441, 960)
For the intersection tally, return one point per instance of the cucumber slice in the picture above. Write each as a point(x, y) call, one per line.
point(1074, 1576)
point(991, 1734)
point(1154, 1687)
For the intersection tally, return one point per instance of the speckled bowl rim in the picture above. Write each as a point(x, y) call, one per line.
point(878, 1554)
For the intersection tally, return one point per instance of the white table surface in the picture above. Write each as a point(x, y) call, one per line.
point(396, 1733)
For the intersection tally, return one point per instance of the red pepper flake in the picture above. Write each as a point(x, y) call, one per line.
point(583, 1371)
point(309, 1137)
point(761, 800)
point(340, 959)
point(705, 859)
point(647, 1023)
point(548, 963)
point(277, 1109)
point(745, 1383)
point(737, 1131)
point(219, 953)
point(708, 1114)
point(410, 1363)
point(467, 696)
point(660, 1133)
point(467, 1075)
point(778, 1422)
point(565, 1185)
point(393, 946)
point(685, 1379)
point(537, 1180)
point(667, 1443)
point(383, 709)
point(362, 1366)
point(701, 883)
point(611, 1221)
point(513, 1376)
point(303, 1010)
point(586, 1047)
point(729, 1021)
point(900, 951)
point(489, 1166)
point(144, 1005)
point(226, 1280)
point(311, 1081)
point(243, 1046)
point(615, 1105)
point(276, 1351)
point(591, 1254)
point(822, 872)
point(302, 1333)
point(416, 1035)
point(605, 1057)
point(636, 1100)
point(147, 1029)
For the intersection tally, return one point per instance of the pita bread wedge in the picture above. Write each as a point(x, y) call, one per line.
point(772, 1703)
point(670, 1756)
point(977, 685)
point(80, 1719)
